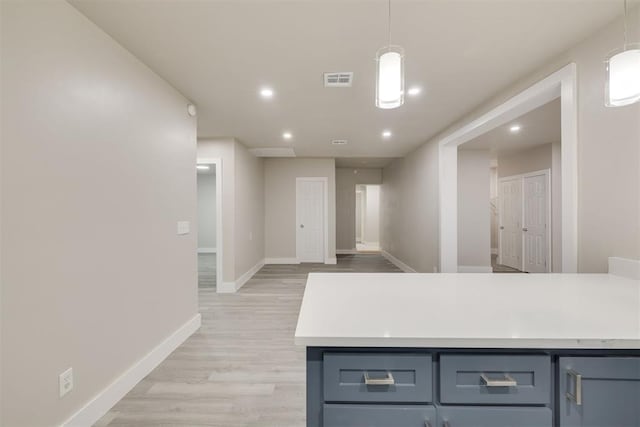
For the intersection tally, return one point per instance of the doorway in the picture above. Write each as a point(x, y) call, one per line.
point(524, 219)
point(311, 219)
point(562, 85)
point(367, 218)
point(209, 191)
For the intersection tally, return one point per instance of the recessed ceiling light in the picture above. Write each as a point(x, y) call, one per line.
point(266, 92)
point(413, 91)
point(515, 128)
point(287, 135)
point(386, 134)
point(202, 167)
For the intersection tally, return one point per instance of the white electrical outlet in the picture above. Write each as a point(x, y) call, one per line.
point(65, 381)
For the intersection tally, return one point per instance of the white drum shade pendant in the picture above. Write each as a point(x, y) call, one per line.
point(390, 77)
point(623, 78)
point(389, 73)
point(622, 66)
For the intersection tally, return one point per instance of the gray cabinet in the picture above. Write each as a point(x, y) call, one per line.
point(494, 417)
point(599, 391)
point(378, 377)
point(495, 379)
point(379, 416)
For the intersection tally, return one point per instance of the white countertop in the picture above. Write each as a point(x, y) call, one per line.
point(578, 311)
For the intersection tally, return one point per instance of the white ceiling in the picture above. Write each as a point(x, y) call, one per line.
point(537, 127)
point(219, 54)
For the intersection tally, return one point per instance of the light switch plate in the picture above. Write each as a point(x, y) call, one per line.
point(183, 227)
point(65, 381)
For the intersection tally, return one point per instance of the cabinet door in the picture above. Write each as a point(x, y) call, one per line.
point(599, 391)
point(494, 416)
point(379, 416)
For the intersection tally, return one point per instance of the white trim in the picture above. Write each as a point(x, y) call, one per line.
point(217, 161)
point(377, 244)
point(521, 177)
point(561, 84)
point(281, 261)
point(325, 182)
point(475, 269)
point(206, 250)
point(231, 287)
point(110, 395)
point(494, 251)
point(347, 251)
point(624, 267)
point(333, 260)
point(249, 274)
point(401, 265)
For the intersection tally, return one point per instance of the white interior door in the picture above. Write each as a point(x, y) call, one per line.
point(535, 223)
point(510, 227)
point(310, 211)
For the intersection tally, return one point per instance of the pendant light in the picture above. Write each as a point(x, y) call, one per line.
point(623, 73)
point(389, 73)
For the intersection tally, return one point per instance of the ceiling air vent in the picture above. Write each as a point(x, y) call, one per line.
point(340, 79)
point(339, 141)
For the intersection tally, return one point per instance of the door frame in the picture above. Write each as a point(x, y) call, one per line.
point(563, 84)
point(521, 177)
point(217, 161)
point(325, 222)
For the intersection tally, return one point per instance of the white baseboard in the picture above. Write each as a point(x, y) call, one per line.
point(376, 244)
point(230, 287)
point(100, 404)
point(475, 269)
point(333, 260)
point(494, 251)
point(401, 265)
point(624, 267)
point(281, 261)
point(207, 250)
point(346, 251)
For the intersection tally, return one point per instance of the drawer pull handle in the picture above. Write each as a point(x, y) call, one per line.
point(387, 380)
point(507, 381)
point(427, 423)
point(577, 395)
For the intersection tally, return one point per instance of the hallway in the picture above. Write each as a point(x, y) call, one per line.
point(241, 368)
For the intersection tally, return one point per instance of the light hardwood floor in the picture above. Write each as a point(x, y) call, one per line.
point(207, 270)
point(242, 367)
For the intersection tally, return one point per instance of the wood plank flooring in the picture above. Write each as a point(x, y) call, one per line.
point(207, 270)
point(241, 369)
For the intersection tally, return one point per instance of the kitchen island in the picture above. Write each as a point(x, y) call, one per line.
point(471, 350)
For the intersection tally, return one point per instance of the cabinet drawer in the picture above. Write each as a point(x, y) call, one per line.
point(495, 379)
point(494, 417)
point(378, 416)
point(377, 377)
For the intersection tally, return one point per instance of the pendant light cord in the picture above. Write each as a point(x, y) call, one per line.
point(625, 24)
point(389, 22)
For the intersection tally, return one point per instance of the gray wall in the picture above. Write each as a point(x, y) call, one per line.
point(280, 202)
point(99, 152)
point(207, 210)
point(409, 209)
point(609, 154)
point(346, 181)
point(474, 222)
point(524, 161)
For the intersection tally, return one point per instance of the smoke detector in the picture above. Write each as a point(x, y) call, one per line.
point(338, 79)
point(339, 141)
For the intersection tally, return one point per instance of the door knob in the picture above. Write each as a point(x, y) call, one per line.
point(502, 227)
point(301, 225)
point(525, 229)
